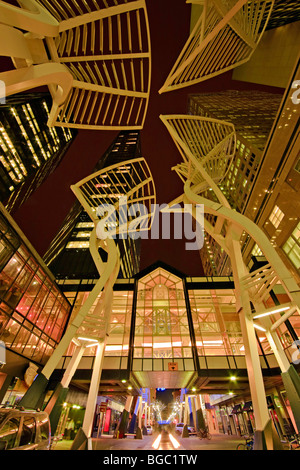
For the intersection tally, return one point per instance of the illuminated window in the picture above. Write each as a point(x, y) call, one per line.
point(85, 234)
point(256, 250)
point(276, 216)
point(292, 247)
point(79, 244)
point(297, 166)
point(85, 225)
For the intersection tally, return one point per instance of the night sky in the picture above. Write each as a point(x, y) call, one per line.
point(42, 215)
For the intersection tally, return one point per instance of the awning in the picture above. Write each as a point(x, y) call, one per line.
point(248, 406)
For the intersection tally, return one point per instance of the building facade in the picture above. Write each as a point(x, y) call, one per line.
point(33, 313)
point(30, 150)
point(266, 126)
point(175, 332)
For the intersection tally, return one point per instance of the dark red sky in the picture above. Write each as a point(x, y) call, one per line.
point(42, 215)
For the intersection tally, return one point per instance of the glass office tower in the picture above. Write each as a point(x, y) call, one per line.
point(30, 150)
point(263, 179)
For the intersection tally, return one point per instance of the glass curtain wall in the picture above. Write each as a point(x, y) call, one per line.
point(217, 326)
point(161, 329)
point(117, 345)
point(33, 312)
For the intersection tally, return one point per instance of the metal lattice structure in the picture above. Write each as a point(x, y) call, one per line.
point(115, 189)
point(203, 143)
point(119, 186)
point(250, 287)
point(224, 37)
point(99, 69)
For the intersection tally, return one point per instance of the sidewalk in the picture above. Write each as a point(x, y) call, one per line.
point(218, 442)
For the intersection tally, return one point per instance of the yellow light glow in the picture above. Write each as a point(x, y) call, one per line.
point(163, 345)
point(174, 441)
point(86, 339)
point(271, 312)
point(156, 443)
point(258, 327)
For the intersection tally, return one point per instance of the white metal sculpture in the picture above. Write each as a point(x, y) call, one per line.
point(132, 183)
point(249, 287)
point(95, 59)
point(225, 36)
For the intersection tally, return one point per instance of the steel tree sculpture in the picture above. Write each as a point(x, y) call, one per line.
point(224, 37)
point(113, 189)
point(207, 147)
point(94, 58)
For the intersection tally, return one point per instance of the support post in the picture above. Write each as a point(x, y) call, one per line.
point(199, 414)
point(265, 436)
point(194, 412)
point(122, 427)
point(185, 431)
point(84, 439)
point(131, 427)
point(55, 404)
point(139, 434)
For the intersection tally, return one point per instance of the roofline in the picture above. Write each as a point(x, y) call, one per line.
point(160, 264)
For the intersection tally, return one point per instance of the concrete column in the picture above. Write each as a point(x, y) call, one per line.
point(146, 418)
point(122, 426)
point(199, 414)
point(194, 412)
point(181, 413)
point(139, 434)
point(132, 424)
point(185, 431)
point(209, 417)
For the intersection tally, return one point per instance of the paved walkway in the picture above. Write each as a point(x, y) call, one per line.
point(218, 442)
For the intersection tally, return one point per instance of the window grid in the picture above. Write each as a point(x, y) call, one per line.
point(276, 216)
point(292, 247)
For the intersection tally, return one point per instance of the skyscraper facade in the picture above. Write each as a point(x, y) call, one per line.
point(259, 118)
point(30, 150)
